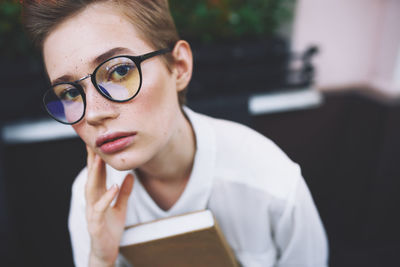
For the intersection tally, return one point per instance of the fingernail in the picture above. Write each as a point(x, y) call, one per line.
point(114, 187)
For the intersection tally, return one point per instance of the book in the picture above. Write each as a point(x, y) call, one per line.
point(192, 239)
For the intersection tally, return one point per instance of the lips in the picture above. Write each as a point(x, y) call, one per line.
point(114, 142)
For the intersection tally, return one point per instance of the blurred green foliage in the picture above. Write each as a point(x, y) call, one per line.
point(196, 20)
point(218, 20)
point(13, 41)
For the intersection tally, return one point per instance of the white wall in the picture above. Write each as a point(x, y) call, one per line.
point(359, 42)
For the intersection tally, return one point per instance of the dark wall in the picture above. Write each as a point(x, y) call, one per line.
point(38, 179)
point(348, 149)
point(6, 241)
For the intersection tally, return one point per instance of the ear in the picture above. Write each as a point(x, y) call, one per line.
point(183, 64)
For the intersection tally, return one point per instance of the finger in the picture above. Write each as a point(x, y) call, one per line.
point(104, 202)
point(96, 182)
point(90, 156)
point(124, 193)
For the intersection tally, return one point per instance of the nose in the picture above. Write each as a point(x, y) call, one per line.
point(98, 108)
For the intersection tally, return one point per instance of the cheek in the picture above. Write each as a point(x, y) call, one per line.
point(158, 92)
point(80, 130)
point(158, 106)
point(155, 109)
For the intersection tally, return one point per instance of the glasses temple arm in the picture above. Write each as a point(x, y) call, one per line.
point(155, 53)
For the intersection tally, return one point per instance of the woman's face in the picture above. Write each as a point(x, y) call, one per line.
point(126, 135)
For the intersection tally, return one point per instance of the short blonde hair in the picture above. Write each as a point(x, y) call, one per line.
point(152, 19)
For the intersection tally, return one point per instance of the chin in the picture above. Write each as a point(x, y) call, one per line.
point(128, 159)
point(122, 164)
point(122, 167)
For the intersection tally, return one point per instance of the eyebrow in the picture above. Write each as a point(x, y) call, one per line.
point(64, 78)
point(96, 61)
point(110, 53)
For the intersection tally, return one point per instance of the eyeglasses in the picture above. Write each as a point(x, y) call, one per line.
point(118, 79)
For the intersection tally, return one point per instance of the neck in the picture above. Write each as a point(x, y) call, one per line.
point(166, 175)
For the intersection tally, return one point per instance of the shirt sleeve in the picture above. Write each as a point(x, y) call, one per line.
point(299, 235)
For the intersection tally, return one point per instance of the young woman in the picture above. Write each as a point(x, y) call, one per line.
point(118, 74)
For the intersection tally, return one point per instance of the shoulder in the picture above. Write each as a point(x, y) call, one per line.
point(247, 158)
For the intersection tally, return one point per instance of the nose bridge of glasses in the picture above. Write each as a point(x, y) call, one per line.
point(89, 83)
point(83, 78)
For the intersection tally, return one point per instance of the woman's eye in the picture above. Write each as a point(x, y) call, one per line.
point(70, 94)
point(120, 72)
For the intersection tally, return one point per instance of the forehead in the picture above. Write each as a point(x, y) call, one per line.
point(72, 46)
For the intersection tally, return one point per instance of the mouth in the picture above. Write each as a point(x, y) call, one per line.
point(114, 142)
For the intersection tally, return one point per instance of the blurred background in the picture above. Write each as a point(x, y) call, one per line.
point(321, 78)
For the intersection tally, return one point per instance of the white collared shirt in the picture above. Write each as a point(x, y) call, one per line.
point(256, 193)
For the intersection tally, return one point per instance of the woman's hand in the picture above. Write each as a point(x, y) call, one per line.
point(105, 223)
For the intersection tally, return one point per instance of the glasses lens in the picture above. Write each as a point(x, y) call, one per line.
point(118, 78)
point(65, 103)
